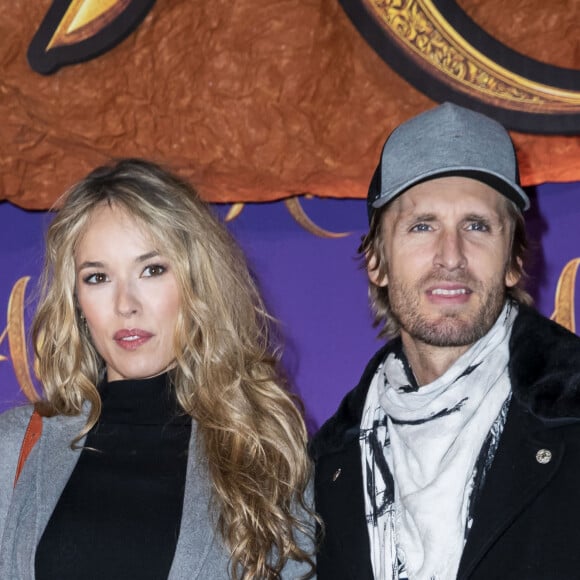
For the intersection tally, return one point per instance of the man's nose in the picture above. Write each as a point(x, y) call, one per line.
point(450, 251)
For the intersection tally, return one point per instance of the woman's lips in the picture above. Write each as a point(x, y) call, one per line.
point(132, 338)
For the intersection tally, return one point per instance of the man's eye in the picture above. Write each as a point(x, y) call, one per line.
point(478, 227)
point(96, 278)
point(421, 228)
point(154, 270)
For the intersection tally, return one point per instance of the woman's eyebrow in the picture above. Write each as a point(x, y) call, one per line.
point(97, 264)
point(147, 256)
point(89, 264)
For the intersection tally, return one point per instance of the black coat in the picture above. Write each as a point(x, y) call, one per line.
point(527, 519)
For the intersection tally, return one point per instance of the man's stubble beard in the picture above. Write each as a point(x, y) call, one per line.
point(449, 329)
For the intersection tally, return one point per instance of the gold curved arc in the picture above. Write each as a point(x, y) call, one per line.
point(84, 18)
point(234, 211)
point(17, 339)
point(423, 29)
point(297, 212)
point(564, 313)
point(2, 337)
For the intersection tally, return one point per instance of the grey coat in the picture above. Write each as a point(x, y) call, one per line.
point(26, 510)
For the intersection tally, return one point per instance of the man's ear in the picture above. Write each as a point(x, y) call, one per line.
point(512, 277)
point(373, 273)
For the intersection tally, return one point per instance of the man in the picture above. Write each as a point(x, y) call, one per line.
point(458, 454)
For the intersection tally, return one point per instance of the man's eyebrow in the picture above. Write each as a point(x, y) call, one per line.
point(490, 218)
point(421, 217)
point(477, 216)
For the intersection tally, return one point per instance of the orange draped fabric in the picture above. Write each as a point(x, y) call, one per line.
point(252, 100)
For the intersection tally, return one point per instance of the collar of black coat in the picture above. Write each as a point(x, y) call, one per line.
point(544, 371)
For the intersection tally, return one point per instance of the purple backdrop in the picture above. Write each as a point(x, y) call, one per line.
point(313, 285)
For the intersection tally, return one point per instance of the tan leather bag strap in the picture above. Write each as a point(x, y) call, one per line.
point(31, 436)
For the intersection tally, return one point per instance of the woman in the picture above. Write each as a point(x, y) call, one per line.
point(170, 448)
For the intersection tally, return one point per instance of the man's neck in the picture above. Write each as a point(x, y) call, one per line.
point(428, 362)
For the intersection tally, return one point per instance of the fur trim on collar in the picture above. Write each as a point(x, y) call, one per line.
point(545, 366)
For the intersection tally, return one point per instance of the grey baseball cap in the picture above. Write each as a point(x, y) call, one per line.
point(444, 141)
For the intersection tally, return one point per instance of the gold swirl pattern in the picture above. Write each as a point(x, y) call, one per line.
point(2, 337)
point(423, 31)
point(297, 212)
point(17, 338)
point(234, 211)
point(564, 300)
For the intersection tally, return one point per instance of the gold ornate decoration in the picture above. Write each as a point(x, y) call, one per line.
point(234, 211)
point(564, 300)
point(297, 212)
point(84, 18)
point(424, 32)
point(17, 339)
point(2, 337)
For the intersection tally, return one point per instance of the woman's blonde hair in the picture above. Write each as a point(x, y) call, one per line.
point(226, 374)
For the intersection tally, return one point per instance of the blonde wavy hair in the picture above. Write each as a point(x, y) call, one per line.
point(226, 374)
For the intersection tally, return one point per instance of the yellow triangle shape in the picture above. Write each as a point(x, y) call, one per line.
point(84, 18)
point(86, 11)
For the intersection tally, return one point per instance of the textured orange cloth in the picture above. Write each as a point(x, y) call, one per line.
point(251, 100)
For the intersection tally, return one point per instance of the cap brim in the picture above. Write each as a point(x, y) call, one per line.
point(510, 189)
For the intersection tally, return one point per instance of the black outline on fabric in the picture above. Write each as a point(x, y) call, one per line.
point(443, 413)
point(48, 62)
point(467, 371)
point(429, 82)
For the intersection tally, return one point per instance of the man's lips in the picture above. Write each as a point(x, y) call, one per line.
point(131, 338)
point(449, 293)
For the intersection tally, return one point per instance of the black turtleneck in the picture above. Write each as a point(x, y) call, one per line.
point(119, 515)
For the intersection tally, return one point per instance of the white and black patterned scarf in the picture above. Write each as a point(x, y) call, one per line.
point(438, 442)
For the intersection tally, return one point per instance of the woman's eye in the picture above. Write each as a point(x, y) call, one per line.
point(96, 278)
point(154, 270)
